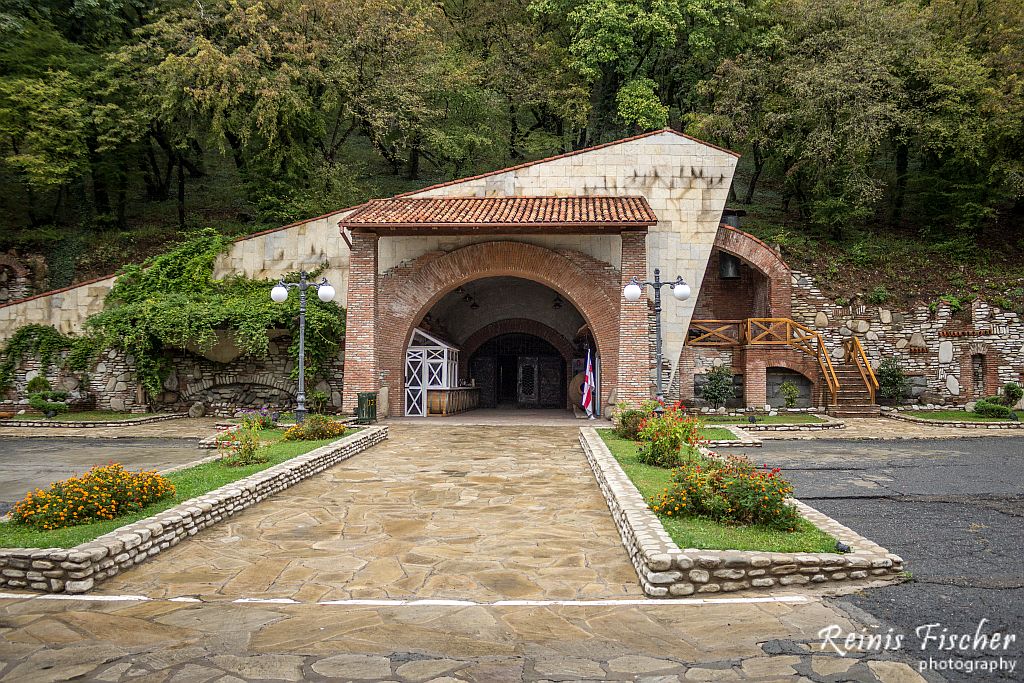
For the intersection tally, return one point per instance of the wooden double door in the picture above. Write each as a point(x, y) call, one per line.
point(528, 381)
point(539, 381)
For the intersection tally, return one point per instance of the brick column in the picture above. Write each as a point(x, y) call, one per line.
point(361, 320)
point(755, 378)
point(634, 369)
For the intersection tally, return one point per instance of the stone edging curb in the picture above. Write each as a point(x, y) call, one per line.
point(742, 439)
point(667, 571)
point(81, 424)
point(829, 423)
point(80, 569)
point(955, 423)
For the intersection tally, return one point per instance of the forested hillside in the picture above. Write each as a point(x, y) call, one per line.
point(883, 141)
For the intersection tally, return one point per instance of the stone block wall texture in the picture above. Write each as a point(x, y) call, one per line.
point(80, 569)
point(244, 383)
point(111, 385)
point(271, 254)
point(666, 571)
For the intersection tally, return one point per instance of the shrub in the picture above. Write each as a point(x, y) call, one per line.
point(729, 490)
point(49, 401)
point(37, 385)
point(1012, 394)
point(315, 427)
point(892, 381)
point(719, 387)
point(242, 447)
point(257, 419)
point(627, 422)
point(877, 296)
point(670, 439)
point(988, 407)
point(104, 492)
point(317, 402)
point(790, 393)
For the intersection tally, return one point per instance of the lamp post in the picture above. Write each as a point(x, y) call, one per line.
point(633, 291)
point(279, 294)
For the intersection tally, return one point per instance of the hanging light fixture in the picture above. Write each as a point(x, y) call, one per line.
point(557, 302)
point(728, 266)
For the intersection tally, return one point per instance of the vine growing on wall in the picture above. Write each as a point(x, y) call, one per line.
point(45, 343)
point(173, 300)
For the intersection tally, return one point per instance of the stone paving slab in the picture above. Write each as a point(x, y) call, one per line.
point(481, 513)
point(165, 641)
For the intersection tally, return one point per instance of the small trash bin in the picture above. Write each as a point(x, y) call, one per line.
point(366, 408)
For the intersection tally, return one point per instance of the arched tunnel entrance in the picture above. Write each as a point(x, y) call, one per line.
point(519, 343)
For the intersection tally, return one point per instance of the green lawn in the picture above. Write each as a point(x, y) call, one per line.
point(696, 532)
point(956, 416)
point(790, 419)
point(717, 434)
point(189, 483)
point(84, 416)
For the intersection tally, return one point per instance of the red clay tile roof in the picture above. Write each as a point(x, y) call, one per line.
point(511, 212)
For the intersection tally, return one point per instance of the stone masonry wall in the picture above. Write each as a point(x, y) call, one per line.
point(224, 388)
point(110, 386)
point(244, 383)
point(934, 346)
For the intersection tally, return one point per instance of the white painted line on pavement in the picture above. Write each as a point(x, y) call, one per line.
point(429, 602)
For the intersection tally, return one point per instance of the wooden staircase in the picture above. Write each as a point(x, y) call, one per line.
point(857, 384)
point(853, 399)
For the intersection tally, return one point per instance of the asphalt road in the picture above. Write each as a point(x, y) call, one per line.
point(28, 463)
point(954, 510)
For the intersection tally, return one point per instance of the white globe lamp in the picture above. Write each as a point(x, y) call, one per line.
point(681, 291)
point(632, 292)
point(326, 293)
point(279, 294)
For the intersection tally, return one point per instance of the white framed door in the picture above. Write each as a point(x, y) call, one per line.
point(416, 382)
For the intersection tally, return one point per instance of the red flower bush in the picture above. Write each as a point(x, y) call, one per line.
point(669, 439)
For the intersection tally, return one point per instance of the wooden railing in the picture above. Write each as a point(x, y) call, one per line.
point(767, 332)
point(786, 332)
point(854, 353)
point(715, 333)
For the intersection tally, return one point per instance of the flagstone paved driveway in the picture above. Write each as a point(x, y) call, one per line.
point(480, 514)
point(477, 513)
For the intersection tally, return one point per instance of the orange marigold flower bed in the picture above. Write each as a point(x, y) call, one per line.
point(104, 492)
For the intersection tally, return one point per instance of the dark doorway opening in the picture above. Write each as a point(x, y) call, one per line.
point(519, 371)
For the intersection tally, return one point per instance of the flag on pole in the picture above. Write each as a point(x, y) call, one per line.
point(588, 388)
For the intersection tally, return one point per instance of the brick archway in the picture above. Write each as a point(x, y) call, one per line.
point(970, 390)
point(765, 260)
point(407, 292)
point(512, 326)
point(754, 361)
